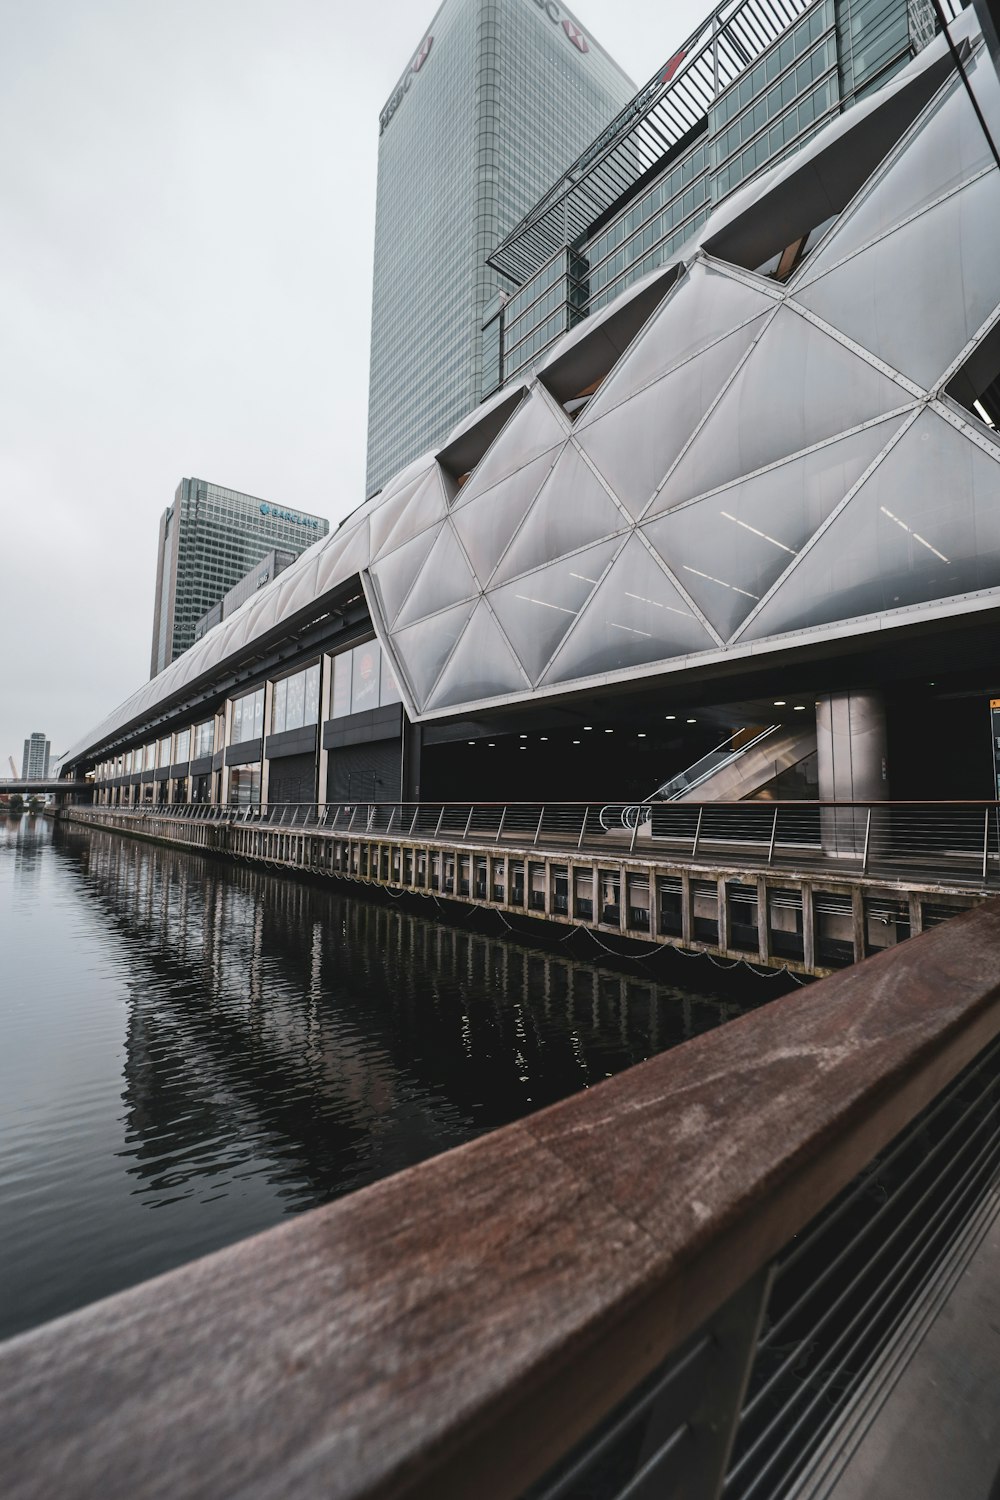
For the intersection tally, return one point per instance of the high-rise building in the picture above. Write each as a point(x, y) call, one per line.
point(259, 576)
point(751, 85)
point(35, 764)
point(210, 538)
point(493, 104)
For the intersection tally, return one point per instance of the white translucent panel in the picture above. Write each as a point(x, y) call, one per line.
point(478, 413)
point(916, 297)
point(572, 510)
point(705, 305)
point(533, 429)
point(305, 591)
point(396, 573)
point(351, 556)
point(481, 666)
point(614, 309)
point(635, 445)
point(948, 148)
point(262, 613)
point(729, 549)
point(925, 526)
point(488, 523)
point(634, 617)
point(384, 518)
point(423, 649)
point(798, 387)
point(536, 611)
point(443, 579)
point(427, 504)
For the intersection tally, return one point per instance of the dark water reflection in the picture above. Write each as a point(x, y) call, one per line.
point(190, 1050)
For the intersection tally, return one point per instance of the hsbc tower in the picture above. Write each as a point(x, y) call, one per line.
point(491, 105)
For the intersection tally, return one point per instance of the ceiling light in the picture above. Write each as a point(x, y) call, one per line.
point(671, 716)
point(779, 703)
point(491, 745)
point(472, 742)
point(588, 726)
point(545, 739)
point(799, 707)
point(692, 721)
point(609, 731)
point(576, 742)
point(640, 736)
point(522, 747)
point(523, 736)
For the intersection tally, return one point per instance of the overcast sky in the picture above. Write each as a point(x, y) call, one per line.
point(188, 209)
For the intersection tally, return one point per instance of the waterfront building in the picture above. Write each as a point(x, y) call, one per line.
point(210, 538)
point(757, 491)
point(269, 566)
point(495, 102)
point(35, 762)
point(753, 83)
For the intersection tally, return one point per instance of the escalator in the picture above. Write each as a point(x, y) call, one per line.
point(744, 765)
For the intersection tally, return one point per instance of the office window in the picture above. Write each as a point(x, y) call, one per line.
point(182, 746)
point(204, 738)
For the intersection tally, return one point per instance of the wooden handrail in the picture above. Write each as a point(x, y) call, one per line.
point(452, 1330)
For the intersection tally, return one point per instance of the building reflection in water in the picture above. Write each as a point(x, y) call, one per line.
point(342, 1038)
point(190, 1050)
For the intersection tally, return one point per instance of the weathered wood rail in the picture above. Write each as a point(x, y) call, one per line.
point(454, 1330)
point(814, 922)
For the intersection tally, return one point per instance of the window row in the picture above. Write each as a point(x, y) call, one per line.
point(361, 679)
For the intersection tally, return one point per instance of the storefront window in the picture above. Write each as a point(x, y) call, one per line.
point(341, 698)
point(182, 747)
point(248, 718)
point(362, 679)
point(366, 677)
point(164, 752)
point(149, 758)
point(204, 738)
point(296, 701)
point(244, 786)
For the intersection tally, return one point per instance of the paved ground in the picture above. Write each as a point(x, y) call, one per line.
point(936, 1434)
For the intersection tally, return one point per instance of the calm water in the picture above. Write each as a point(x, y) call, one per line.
point(191, 1050)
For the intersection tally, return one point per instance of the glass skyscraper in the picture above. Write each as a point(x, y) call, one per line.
point(210, 538)
point(494, 104)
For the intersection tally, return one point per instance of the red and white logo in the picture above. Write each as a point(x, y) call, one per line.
point(421, 56)
point(575, 35)
point(672, 66)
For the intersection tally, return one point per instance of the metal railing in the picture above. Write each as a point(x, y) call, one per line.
point(948, 842)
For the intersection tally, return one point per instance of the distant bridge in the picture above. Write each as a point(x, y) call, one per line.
point(43, 786)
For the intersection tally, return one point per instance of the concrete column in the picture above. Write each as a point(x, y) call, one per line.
point(265, 764)
point(852, 764)
point(851, 748)
point(227, 722)
point(323, 756)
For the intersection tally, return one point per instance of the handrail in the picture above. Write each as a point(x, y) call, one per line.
point(454, 1329)
point(953, 842)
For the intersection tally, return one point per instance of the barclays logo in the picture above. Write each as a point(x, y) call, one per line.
point(288, 515)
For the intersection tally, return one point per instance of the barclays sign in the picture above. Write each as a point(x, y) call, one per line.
point(288, 515)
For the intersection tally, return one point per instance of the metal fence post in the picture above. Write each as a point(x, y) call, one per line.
point(697, 833)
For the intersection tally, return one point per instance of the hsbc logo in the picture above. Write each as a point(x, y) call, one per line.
point(403, 87)
point(572, 30)
point(575, 35)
